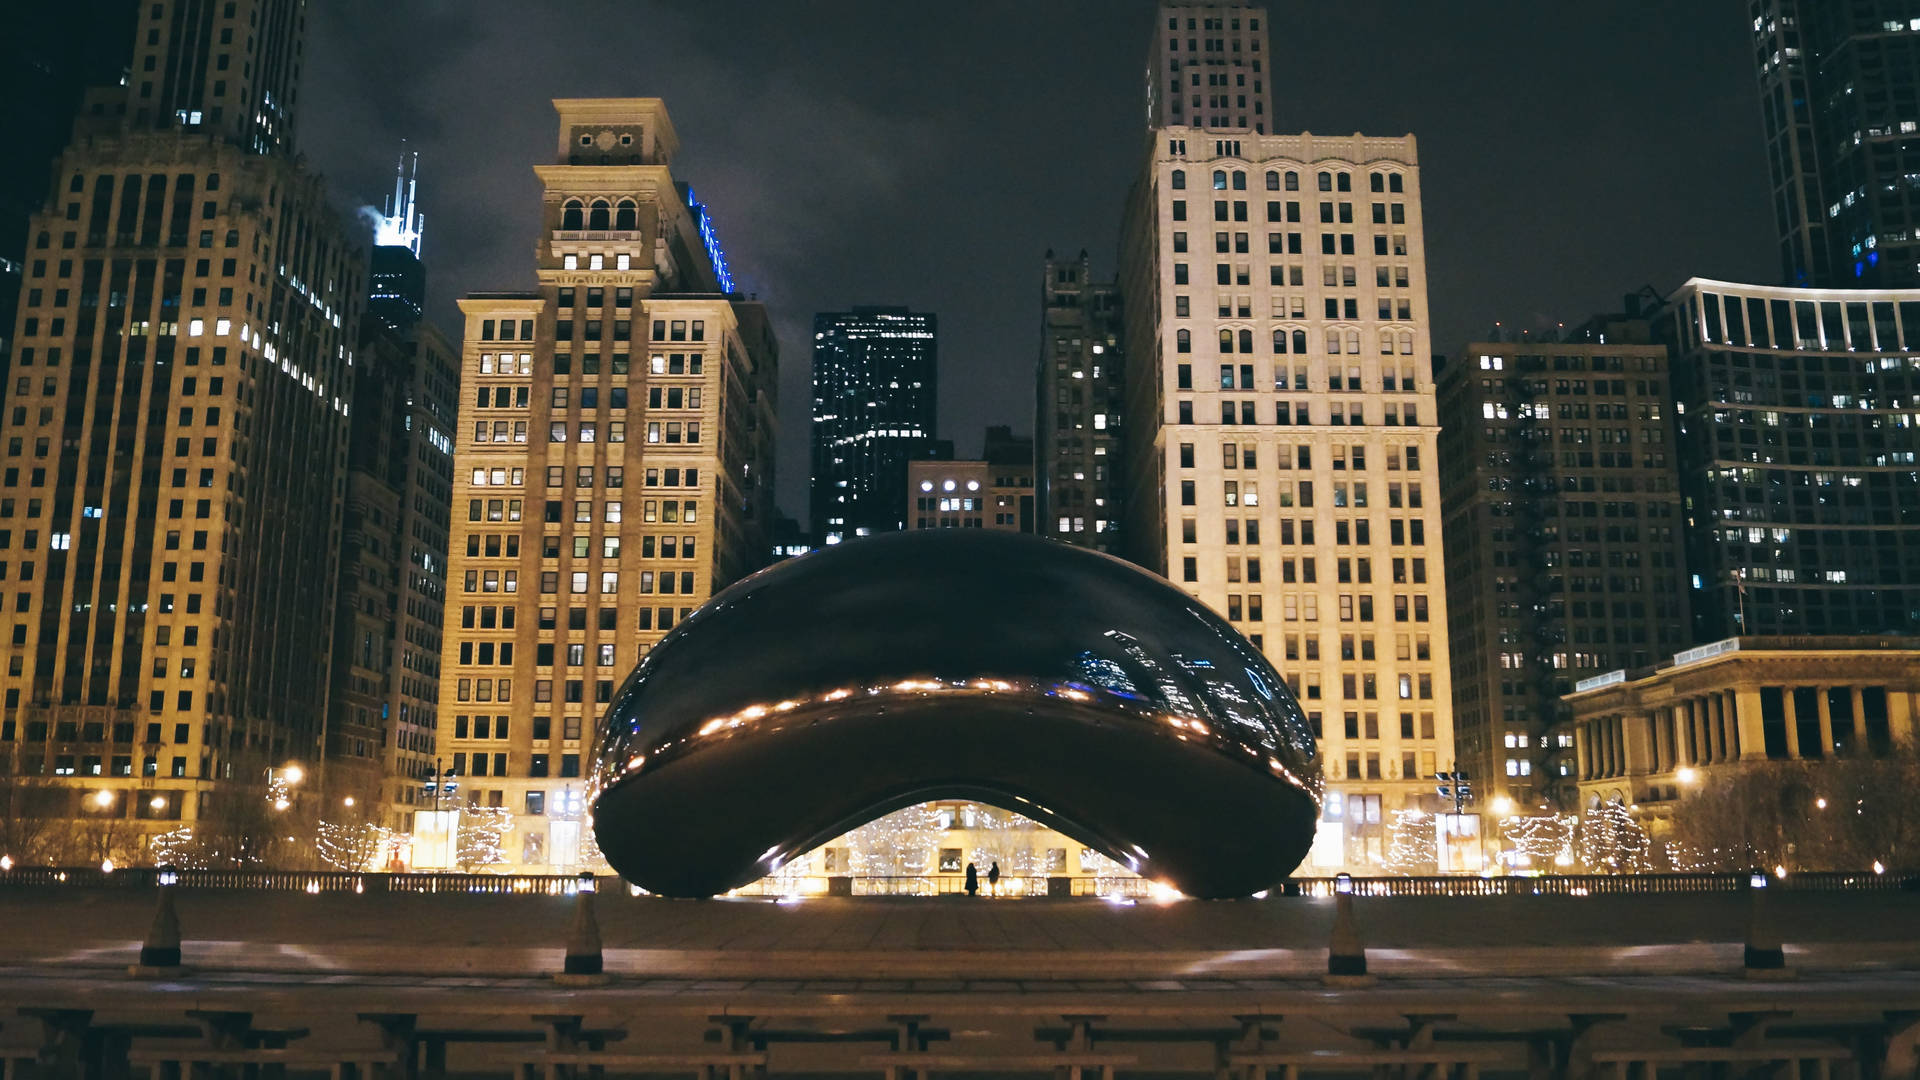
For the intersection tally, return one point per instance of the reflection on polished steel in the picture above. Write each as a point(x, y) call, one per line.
point(1069, 686)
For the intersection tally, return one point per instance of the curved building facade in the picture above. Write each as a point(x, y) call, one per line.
point(1799, 417)
point(1068, 686)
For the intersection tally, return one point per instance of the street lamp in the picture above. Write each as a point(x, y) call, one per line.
point(439, 783)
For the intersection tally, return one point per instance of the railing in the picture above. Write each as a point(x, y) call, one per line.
point(1113, 888)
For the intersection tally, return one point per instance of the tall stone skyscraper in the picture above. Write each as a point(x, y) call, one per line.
point(1280, 439)
point(383, 712)
point(1837, 93)
point(1209, 67)
point(49, 55)
point(1560, 480)
point(175, 446)
point(874, 395)
point(613, 469)
point(1076, 424)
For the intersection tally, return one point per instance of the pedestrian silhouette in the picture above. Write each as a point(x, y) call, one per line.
point(993, 878)
point(973, 880)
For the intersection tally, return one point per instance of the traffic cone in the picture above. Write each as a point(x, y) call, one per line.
point(1346, 954)
point(584, 966)
point(1762, 958)
point(160, 952)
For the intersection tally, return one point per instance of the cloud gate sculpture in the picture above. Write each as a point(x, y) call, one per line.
point(1062, 684)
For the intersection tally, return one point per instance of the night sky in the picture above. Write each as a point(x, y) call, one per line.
point(928, 155)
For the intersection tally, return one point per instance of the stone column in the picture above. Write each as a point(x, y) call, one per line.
point(1862, 745)
point(1900, 709)
point(1826, 720)
point(1753, 738)
point(1717, 704)
point(1729, 708)
point(1792, 713)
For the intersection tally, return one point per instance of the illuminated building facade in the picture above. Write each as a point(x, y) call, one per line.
point(1081, 388)
point(1800, 457)
point(1281, 437)
point(383, 710)
point(995, 492)
point(1208, 68)
point(175, 458)
point(1560, 483)
point(613, 469)
point(49, 55)
point(1646, 737)
point(1840, 95)
point(874, 396)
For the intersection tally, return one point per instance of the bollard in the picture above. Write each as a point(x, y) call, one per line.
point(160, 952)
point(584, 966)
point(1346, 955)
point(1762, 958)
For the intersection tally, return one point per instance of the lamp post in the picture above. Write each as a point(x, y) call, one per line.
point(1456, 786)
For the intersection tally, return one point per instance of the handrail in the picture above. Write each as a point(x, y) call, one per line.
point(1031, 885)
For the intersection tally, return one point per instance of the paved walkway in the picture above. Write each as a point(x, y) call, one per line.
point(956, 941)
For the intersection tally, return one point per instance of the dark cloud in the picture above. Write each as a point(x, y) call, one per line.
point(859, 152)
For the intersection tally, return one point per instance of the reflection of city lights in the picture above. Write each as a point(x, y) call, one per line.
point(280, 804)
point(1164, 893)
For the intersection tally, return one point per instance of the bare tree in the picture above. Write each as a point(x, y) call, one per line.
point(32, 831)
point(1841, 814)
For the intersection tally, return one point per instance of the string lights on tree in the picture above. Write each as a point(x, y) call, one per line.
point(1412, 846)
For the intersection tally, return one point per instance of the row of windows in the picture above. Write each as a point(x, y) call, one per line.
point(1401, 381)
point(1339, 414)
point(1289, 180)
point(590, 363)
point(1294, 341)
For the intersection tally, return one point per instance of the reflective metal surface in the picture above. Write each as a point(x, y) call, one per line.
point(1059, 683)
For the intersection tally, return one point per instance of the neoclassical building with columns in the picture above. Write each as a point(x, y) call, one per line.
point(1647, 736)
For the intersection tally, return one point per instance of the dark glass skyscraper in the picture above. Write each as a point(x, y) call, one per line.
point(873, 411)
point(1797, 458)
point(1838, 85)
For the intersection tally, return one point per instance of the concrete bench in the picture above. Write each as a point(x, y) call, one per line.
point(1463, 1062)
point(563, 1064)
point(1072, 1065)
point(1624, 1064)
point(186, 1062)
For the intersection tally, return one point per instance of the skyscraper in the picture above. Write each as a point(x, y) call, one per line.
point(1209, 67)
point(1560, 483)
point(613, 469)
point(1080, 381)
point(383, 709)
point(170, 509)
point(398, 279)
point(1280, 439)
point(874, 396)
point(49, 55)
point(1798, 446)
point(1838, 93)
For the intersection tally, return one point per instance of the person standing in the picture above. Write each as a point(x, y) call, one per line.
point(993, 879)
point(973, 880)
